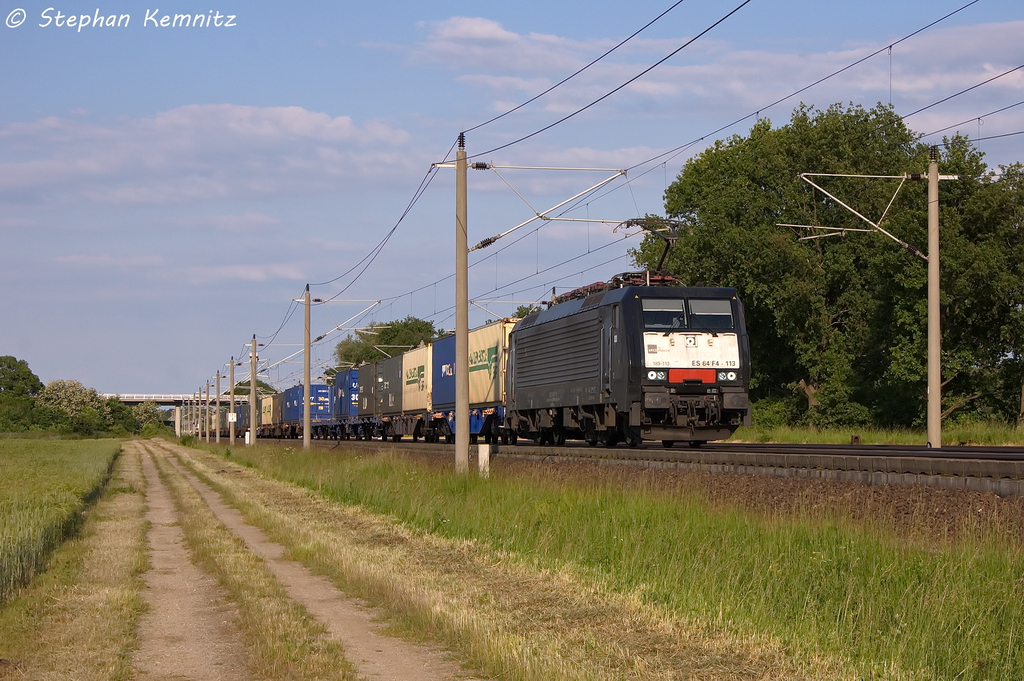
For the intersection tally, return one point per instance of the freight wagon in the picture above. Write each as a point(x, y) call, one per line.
point(488, 358)
point(611, 362)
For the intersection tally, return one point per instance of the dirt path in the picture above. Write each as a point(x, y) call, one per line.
point(187, 631)
point(377, 657)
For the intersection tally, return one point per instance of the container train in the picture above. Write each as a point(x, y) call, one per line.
point(636, 358)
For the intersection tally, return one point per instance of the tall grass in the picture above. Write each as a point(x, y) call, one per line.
point(972, 433)
point(823, 585)
point(46, 485)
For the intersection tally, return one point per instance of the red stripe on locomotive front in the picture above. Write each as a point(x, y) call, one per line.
point(702, 375)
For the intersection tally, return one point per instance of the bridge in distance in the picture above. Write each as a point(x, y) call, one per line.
point(172, 400)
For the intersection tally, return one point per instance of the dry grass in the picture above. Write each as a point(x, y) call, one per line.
point(77, 620)
point(283, 641)
point(502, 616)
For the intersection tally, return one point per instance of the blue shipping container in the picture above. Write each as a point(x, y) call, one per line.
point(346, 394)
point(443, 369)
point(320, 404)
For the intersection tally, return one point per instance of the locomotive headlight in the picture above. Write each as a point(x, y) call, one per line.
point(657, 375)
point(731, 376)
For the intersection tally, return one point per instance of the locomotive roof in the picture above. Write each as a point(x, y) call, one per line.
point(617, 295)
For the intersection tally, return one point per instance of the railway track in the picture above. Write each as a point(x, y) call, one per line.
point(981, 468)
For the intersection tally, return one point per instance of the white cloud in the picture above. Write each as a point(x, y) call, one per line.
point(481, 42)
point(16, 223)
point(245, 222)
point(713, 79)
point(196, 153)
point(108, 261)
point(204, 275)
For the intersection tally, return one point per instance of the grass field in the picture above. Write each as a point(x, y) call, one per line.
point(46, 484)
point(952, 434)
point(822, 584)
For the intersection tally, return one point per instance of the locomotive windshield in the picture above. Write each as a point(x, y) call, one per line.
point(702, 314)
point(711, 314)
point(663, 314)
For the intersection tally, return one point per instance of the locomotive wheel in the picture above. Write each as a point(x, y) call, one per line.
point(611, 438)
point(667, 443)
point(396, 438)
point(694, 444)
point(450, 438)
point(632, 437)
point(473, 439)
point(513, 437)
point(558, 437)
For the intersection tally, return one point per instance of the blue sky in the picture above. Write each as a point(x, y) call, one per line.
point(165, 192)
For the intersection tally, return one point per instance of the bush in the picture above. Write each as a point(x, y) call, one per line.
point(774, 412)
point(157, 430)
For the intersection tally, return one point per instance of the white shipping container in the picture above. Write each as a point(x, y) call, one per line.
point(488, 355)
point(416, 379)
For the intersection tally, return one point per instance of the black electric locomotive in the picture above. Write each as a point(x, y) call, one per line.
point(628, 361)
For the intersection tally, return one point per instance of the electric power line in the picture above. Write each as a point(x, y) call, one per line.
point(946, 99)
point(683, 147)
point(425, 182)
point(610, 93)
point(971, 120)
point(992, 137)
point(570, 77)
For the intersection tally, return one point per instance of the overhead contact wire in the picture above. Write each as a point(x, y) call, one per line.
point(610, 93)
point(675, 151)
point(570, 77)
point(973, 87)
point(803, 89)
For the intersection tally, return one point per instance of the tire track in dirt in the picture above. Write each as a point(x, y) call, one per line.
point(187, 632)
point(357, 627)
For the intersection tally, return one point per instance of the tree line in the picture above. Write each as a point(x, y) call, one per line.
point(67, 407)
point(838, 324)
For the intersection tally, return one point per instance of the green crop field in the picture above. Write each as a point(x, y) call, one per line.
point(892, 602)
point(46, 485)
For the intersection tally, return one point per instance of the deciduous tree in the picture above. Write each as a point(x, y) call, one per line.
point(380, 340)
point(16, 378)
point(838, 324)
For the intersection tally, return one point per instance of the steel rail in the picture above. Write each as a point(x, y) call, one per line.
point(999, 470)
